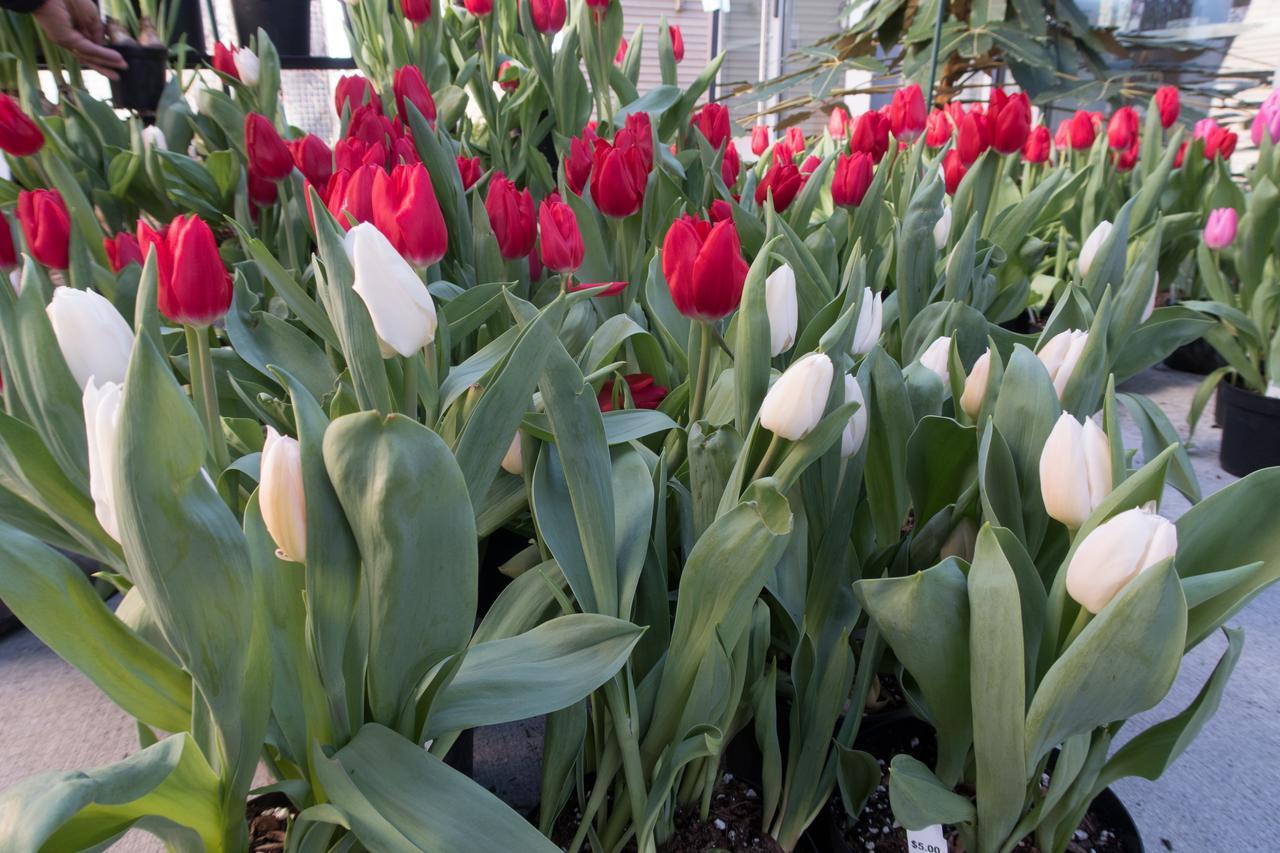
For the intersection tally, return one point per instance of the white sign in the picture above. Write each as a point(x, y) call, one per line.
point(927, 840)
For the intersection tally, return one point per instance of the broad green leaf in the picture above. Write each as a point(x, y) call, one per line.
point(262, 339)
point(942, 461)
point(920, 799)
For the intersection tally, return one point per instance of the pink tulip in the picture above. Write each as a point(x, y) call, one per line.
point(1220, 230)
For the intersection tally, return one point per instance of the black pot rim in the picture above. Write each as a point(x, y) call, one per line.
point(141, 51)
point(1245, 398)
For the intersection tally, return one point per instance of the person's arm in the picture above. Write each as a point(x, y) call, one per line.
point(76, 25)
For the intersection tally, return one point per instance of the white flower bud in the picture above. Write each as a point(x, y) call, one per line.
point(1092, 244)
point(95, 340)
point(796, 401)
point(281, 497)
point(780, 304)
point(937, 358)
point(248, 69)
point(870, 318)
point(1075, 470)
point(513, 460)
point(942, 230)
point(1115, 553)
point(101, 426)
point(403, 313)
point(856, 430)
point(1060, 356)
point(1151, 301)
point(975, 386)
point(153, 137)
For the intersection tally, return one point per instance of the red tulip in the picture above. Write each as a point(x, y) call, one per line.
point(719, 211)
point(621, 55)
point(712, 120)
point(350, 154)
point(1219, 142)
point(870, 135)
point(268, 154)
point(577, 167)
point(405, 210)
point(410, 88)
point(618, 177)
point(46, 225)
point(971, 138)
point(907, 115)
point(511, 217)
point(598, 5)
point(416, 11)
point(1182, 152)
point(677, 43)
point(262, 191)
point(470, 170)
point(404, 151)
point(479, 8)
point(638, 132)
point(354, 91)
point(795, 140)
point(19, 135)
point(810, 165)
point(352, 193)
point(937, 129)
point(224, 60)
point(370, 126)
point(854, 173)
point(1169, 105)
point(1080, 130)
point(1010, 124)
point(611, 288)
point(783, 181)
point(8, 254)
point(313, 159)
point(548, 16)
point(195, 288)
point(645, 394)
point(508, 76)
point(122, 250)
point(561, 241)
point(759, 139)
point(953, 170)
point(1125, 160)
point(1036, 149)
point(704, 267)
point(730, 165)
point(838, 123)
point(1122, 129)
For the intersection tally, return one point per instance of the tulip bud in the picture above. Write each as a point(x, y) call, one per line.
point(1116, 552)
point(937, 129)
point(1075, 470)
point(677, 43)
point(268, 154)
point(856, 430)
point(101, 425)
point(780, 304)
point(1080, 130)
point(1037, 147)
point(95, 340)
point(406, 211)
point(314, 160)
point(730, 165)
point(975, 386)
point(562, 248)
point(416, 11)
point(1266, 122)
point(403, 313)
point(513, 459)
point(46, 225)
point(479, 8)
point(410, 88)
point(782, 182)
point(961, 541)
point(195, 288)
point(953, 171)
point(153, 137)
point(8, 252)
point(713, 122)
point(870, 134)
point(511, 216)
point(838, 123)
point(281, 497)
point(937, 358)
point(122, 250)
point(870, 317)
point(1092, 244)
point(1061, 354)
point(704, 268)
point(972, 138)
point(353, 91)
point(1122, 129)
point(1150, 307)
point(759, 139)
point(470, 170)
point(942, 229)
point(248, 69)
point(618, 176)
point(796, 400)
point(1220, 230)
point(907, 114)
point(645, 393)
point(19, 135)
point(1010, 125)
point(1167, 102)
point(853, 176)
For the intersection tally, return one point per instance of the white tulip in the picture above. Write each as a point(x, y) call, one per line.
point(942, 230)
point(281, 497)
point(796, 401)
point(937, 358)
point(153, 137)
point(248, 69)
point(95, 340)
point(1075, 470)
point(1060, 356)
point(1151, 301)
point(780, 304)
point(101, 426)
point(870, 319)
point(1115, 553)
point(975, 386)
point(961, 541)
point(856, 430)
point(403, 313)
point(513, 460)
point(1092, 244)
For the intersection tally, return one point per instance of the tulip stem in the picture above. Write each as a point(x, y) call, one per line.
point(204, 393)
point(1082, 619)
point(705, 343)
point(409, 390)
point(770, 456)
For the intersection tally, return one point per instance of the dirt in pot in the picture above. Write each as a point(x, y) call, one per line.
point(269, 817)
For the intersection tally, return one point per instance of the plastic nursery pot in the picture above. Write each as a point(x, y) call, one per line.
point(1250, 430)
point(1198, 357)
point(142, 83)
point(287, 22)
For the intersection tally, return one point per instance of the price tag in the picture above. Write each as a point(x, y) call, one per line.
point(927, 840)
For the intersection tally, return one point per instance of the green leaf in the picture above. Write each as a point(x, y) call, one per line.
point(919, 799)
point(752, 342)
point(287, 288)
point(262, 339)
point(889, 423)
point(942, 460)
point(1157, 434)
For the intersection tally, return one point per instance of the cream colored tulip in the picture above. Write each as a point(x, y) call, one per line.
point(248, 68)
point(1116, 552)
point(153, 137)
point(1092, 244)
point(942, 230)
point(101, 427)
point(1150, 307)
point(795, 402)
point(95, 340)
point(513, 459)
point(870, 319)
point(403, 313)
point(282, 498)
point(975, 385)
point(855, 432)
point(780, 304)
point(1061, 355)
point(937, 358)
point(1075, 470)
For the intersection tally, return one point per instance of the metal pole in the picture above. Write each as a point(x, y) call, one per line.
point(933, 52)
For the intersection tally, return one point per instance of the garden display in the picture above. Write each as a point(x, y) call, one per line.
point(776, 470)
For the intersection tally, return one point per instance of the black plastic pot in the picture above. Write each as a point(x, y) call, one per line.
point(188, 22)
point(1198, 357)
point(1250, 430)
point(142, 83)
point(287, 22)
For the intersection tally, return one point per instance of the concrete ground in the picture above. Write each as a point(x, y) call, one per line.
point(1218, 797)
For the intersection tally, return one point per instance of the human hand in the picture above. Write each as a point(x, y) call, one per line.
point(75, 25)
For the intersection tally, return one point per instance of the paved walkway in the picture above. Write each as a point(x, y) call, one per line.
point(1219, 797)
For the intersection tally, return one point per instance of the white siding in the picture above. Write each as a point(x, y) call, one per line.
point(695, 27)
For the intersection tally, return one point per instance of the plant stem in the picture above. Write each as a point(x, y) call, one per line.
point(699, 399)
point(409, 390)
point(632, 770)
point(770, 456)
point(204, 393)
point(1082, 619)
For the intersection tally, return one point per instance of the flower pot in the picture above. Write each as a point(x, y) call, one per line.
point(142, 83)
point(1198, 357)
point(1250, 430)
point(287, 22)
point(188, 22)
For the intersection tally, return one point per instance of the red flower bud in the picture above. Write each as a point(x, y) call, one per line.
point(704, 267)
point(224, 60)
point(1122, 129)
point(1125, 160)
point(561, 242)
point(712, 121)
point(577, 167)
point(971, 138)
point(470, 170)
point(46, 226)
point(759, 139)
point(508, 76)
point(730, 165)
point(1081, 131)
point(410, 88)
point(548, 16)
point(611, 288)
point(313, 159)
point(719, 211)
point(795, 140)
point(354, 91)
point(1036, 149)
point(838, 123)
point(677, 43)
point(1182, 152)
point(405, 210)
point(953, 169)
point(195, 288)
point(268, 154)
point(854, 173)
point(262, 191)
point(8, 254)
point(511, 217)
point(937, 131)
point(907, 113)
point(122, 250)
point(19, 134)
point(352, 193)
point(645, 394)
point(618, 177)
point(638, 131)
point(621, 55)
point(1010, 124)
point(479, 8)
point(783, 181)
point(1219, 142)
point(1169, 105)
point(870, 135)
point(416, 11)
point(370, 126)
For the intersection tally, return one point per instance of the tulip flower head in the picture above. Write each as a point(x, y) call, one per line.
point(9, 254)
point(795, 402)
point(101, 403)
point(153, 137)
point(195, 287)
point(548, 16)
point(19, 134)
point(618, 176)
point(853, 175)
point(953, 171)
point(1220, 230)
point(870, 135)
point(354, 91)
point(975, 386)
point(640, 387)
point(224, 60)
point(402, 311)
point(677, 43)
point(1061, 355)
point(1267, 120)
point(511, 216)
point(972, 138)
point(837, 123)
point(513, 459)
point(416, 11)
point(1038, 145)
point(268, 154)
point(870, 319)
point(351, 194)
point(470, 170)
point(1010, 123)
point(855, 432)
point(759, 139)
point(479, 8)
point(780, 305)
point(782, 183)
point(713, 122)
point(907, 113)
point(1168, 104)
point(561, 243)
point(281, 496)
point(1092, 245)
point(410, 87)
point(94, 339)
point(122, 250)
point(406, 211)
point(577, 166)
point(1075, 470)
point(248, 68)
point(1116, 552)
point(314, 160)
point(942, 229)
point(1122, 129)
point(46, 226)
point(1081, 131)
point(937, 130)
point(937, 358)
point(730, 165)
point(1219, 142)
point(704, 267)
